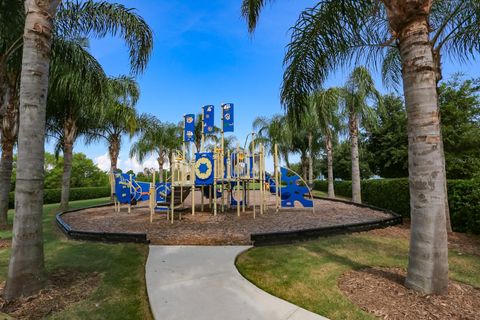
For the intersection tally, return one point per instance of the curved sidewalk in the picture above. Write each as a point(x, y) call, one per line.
point(202, 283)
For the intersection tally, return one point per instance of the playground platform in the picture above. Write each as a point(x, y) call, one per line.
point(202, 283)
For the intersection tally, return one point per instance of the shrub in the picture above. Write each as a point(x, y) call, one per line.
point(393, 194)
point(54, 195)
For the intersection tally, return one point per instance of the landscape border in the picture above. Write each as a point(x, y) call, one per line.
point(257, 239)
point(293, 236)
point(111, 237)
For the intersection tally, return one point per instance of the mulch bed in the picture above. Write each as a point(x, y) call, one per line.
point(65, 287)
point(226, 228)
point(5, 243)
point(380, 291)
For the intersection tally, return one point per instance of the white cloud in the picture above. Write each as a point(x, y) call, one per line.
point(103, 162)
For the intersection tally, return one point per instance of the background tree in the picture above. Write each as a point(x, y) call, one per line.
point(325, 104)
point(387, 142)
point(158, 139)
point(358, 91)
point(120, 117)
point(460, 111)
point(12, 18)
point(336, 33)
point(342, 162)
point(274, 130)
point(84, 172)
point(308, 123)
point(76, 83)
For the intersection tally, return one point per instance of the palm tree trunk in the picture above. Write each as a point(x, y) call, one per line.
point(6, 166)
point(114, 151)
point(310, 158)
point(304, 163)
point(287, 160)
point(160, 168)
point(67, 173)
point(356, 187)
point(428, 255)
point(69, 133)
point(331, 188)
point(3, 89)
point(9, 132)
point(438, 78)
point(26, 270)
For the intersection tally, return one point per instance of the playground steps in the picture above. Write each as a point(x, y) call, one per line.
point(178, 198)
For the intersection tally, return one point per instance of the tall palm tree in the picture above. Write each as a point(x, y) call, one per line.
point(358, 90)
point(326, 105)
point(159, 139)
point(26, 272)
point(305, 139)
point(119, 118)
point(75, 88)
point(26, 268)
point(274, 130)
point(10, 68)
point(454, 33)
point(335, 33)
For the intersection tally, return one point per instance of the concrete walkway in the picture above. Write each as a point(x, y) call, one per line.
point(202, 283)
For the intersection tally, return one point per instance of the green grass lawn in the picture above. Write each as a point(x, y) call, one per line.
point(122, 292)
point(306, 274)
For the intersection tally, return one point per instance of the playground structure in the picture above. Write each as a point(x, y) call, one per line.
point(227, 178)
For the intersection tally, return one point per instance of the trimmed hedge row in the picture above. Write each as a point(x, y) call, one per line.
point(54, 195)
point(393, 194)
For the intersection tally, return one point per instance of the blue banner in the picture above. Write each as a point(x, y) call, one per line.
point(227, 116)
point(208, 119)
point(189, 129)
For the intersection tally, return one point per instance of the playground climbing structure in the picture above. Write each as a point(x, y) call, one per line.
point(227, 178)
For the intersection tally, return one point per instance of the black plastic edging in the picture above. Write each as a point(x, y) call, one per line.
point(97, 236)
point(287, 237)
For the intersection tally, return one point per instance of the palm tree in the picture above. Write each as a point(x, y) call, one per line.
point(10, 67)
point(75, 88)
point(455, 33)
point(308, 124)
point(26, 268)
point(159, 139)
point(120, 117)
point(358, 89)
point(334, 33)
point(326, 104)
point(274, 130)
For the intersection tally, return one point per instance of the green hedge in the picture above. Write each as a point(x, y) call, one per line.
point(53, 195)
point(393, 194)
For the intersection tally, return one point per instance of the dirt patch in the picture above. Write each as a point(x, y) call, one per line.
point(224, 228)
point(460, 242)
point(5, 243)
point(380, 291)
point(65, 287)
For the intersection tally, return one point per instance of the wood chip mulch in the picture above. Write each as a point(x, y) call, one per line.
point(381, 291)
point(5, 243)
point(226, 228)
point(65, 287)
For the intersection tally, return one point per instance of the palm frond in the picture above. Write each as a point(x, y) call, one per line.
point(329, 36)
point(251, 12)
point(100, 18)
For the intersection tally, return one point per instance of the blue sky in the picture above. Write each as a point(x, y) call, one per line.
point(203, 54)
